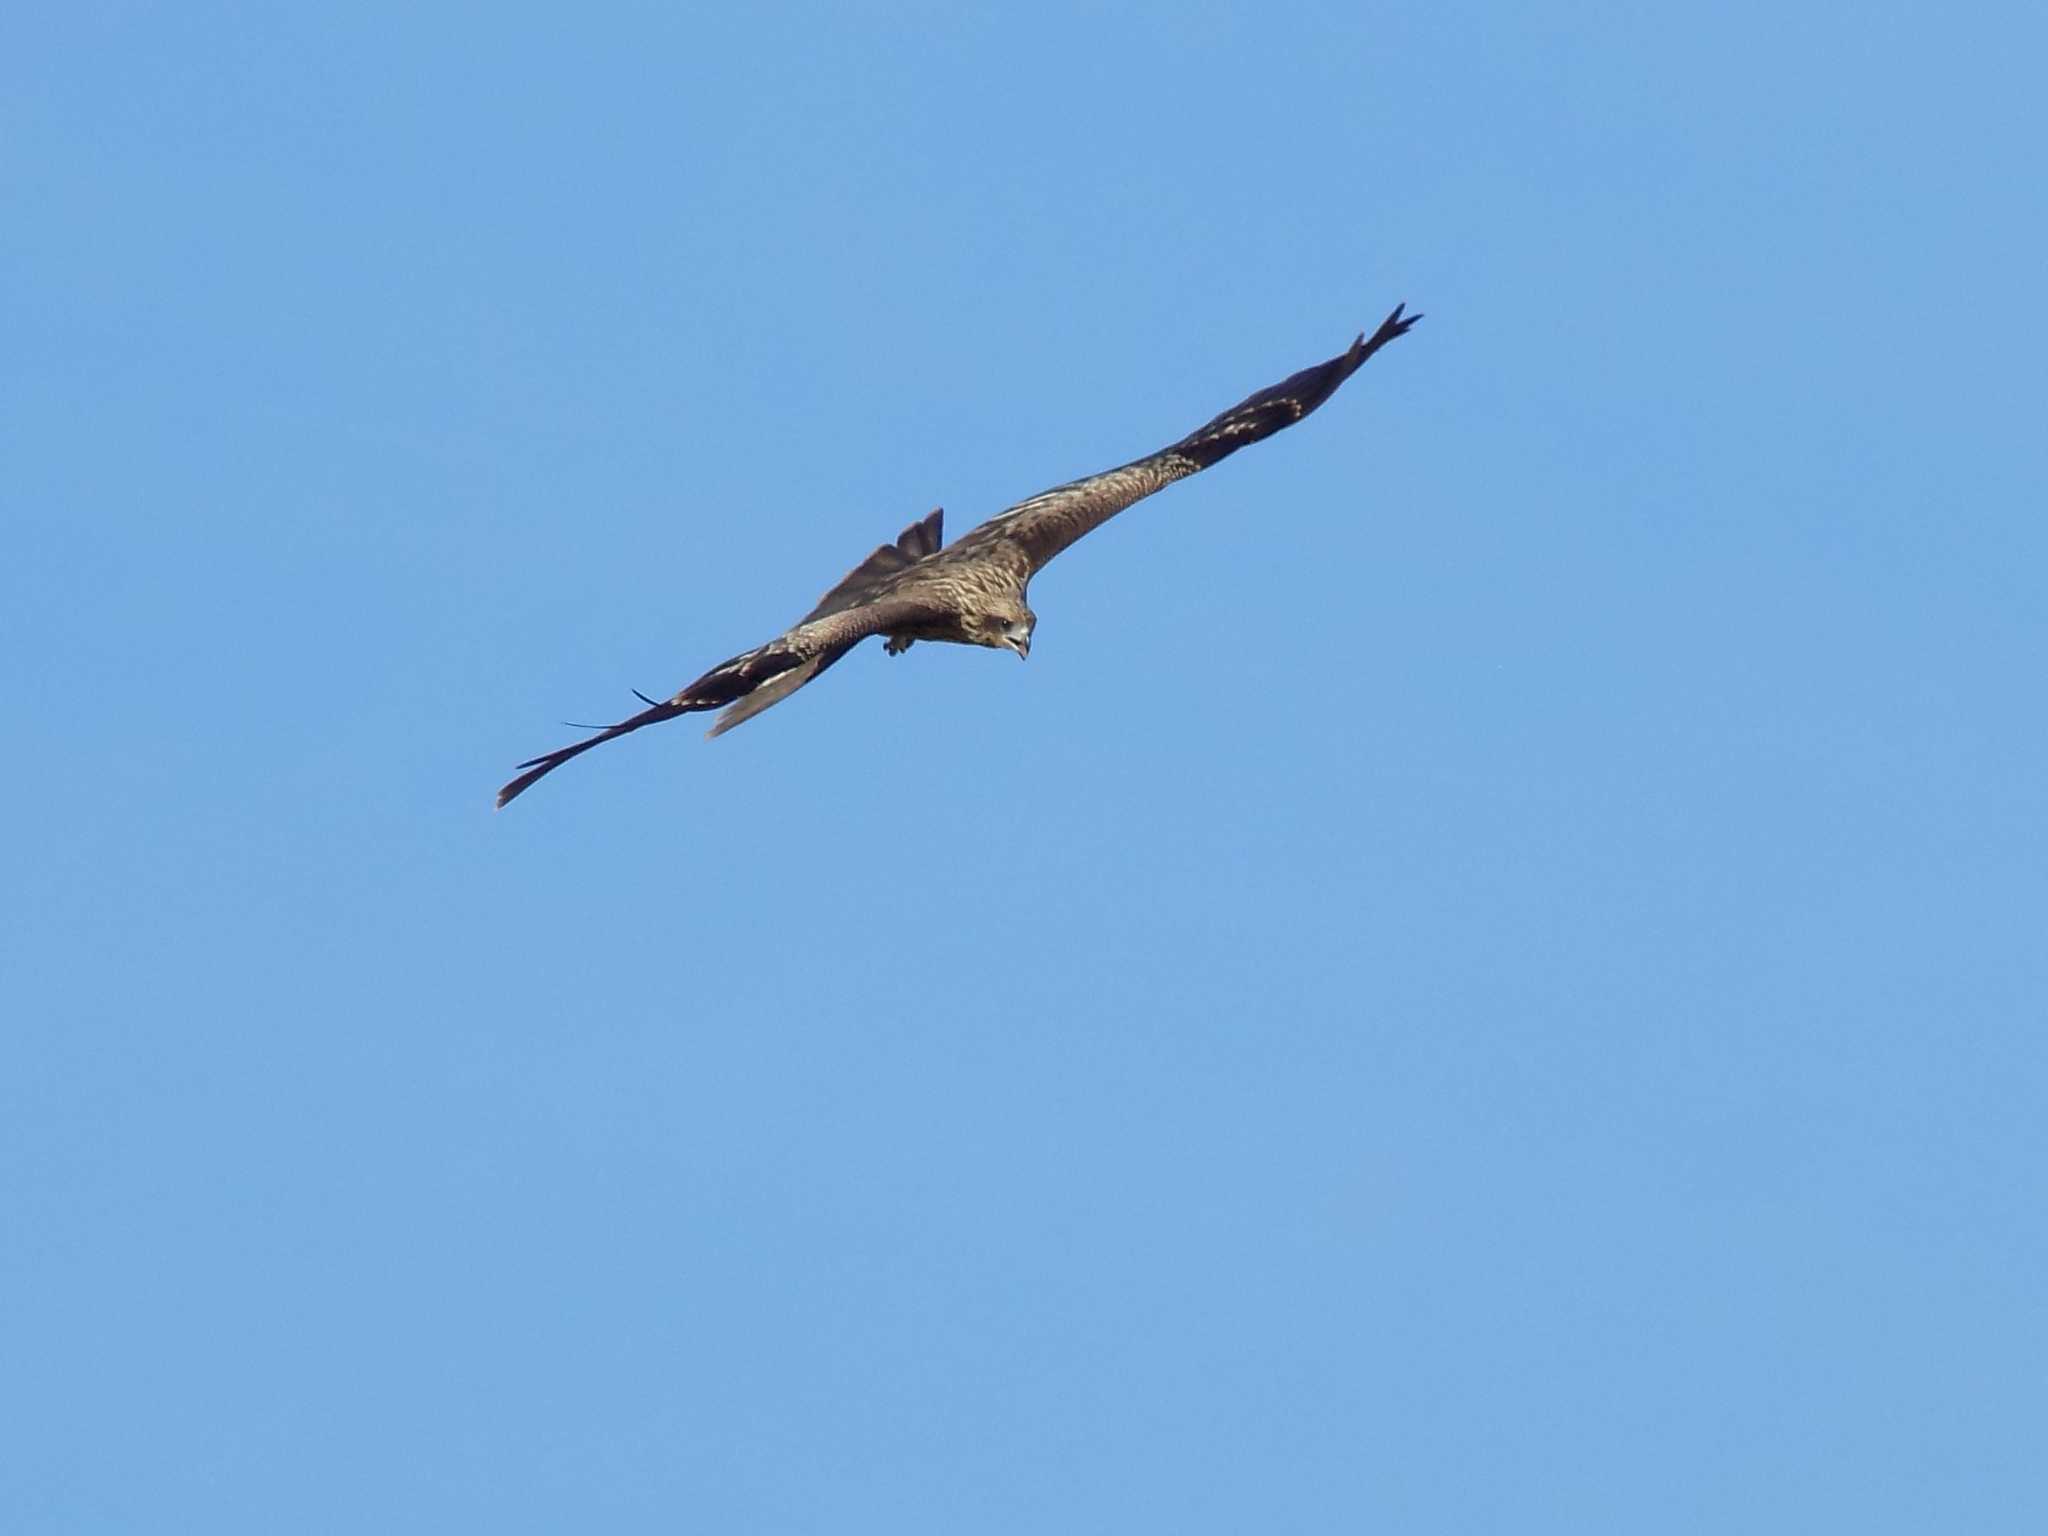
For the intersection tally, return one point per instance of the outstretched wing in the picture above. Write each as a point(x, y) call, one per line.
point(1050, 521)
point(809, 649)
point(752, 680)
point(872, 576)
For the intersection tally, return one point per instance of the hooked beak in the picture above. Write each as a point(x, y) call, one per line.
point(1021, 644)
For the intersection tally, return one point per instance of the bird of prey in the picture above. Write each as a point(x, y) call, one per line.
point(971, 592)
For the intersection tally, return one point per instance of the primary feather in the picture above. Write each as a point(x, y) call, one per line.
point(973, 592)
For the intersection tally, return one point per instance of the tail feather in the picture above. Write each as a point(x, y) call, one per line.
point(774, 691)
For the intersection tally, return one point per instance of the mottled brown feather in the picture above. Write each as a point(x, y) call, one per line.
point(873, 575)
point(914, 589)
point(1051, 521)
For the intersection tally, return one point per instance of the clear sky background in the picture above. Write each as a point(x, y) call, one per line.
point(1488, 974)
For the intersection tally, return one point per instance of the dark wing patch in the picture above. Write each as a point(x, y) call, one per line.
point(815, 645)
point(540, 767)
point(873, 575)
point(753, 680)
point(1287, 402)
point(1046, 524)
point(746, 673)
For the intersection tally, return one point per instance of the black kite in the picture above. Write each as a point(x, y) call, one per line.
point(973, 592)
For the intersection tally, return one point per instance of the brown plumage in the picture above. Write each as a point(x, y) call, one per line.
point(973, 592)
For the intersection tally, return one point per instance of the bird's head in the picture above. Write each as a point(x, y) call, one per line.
point(1008, 627)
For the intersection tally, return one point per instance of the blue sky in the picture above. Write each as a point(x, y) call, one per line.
point(1487, 974)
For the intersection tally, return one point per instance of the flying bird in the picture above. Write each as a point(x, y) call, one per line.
point(971, 592)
